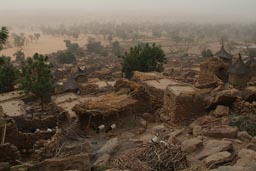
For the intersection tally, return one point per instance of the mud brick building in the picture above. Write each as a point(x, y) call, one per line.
point(183, 103)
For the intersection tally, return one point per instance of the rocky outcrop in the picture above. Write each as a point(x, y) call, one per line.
point(225, 97)
point(221, 111)
point(221, 131)
point(80, 162)
point(218, 158)
point(191, 145)
point(9, 153)
point(214, 146)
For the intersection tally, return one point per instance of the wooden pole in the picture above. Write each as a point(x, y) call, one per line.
point(4, 133)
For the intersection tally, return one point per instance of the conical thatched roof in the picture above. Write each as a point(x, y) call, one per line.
point(251, 62)
point(78, 73)
point(70, 85)
point(222, 53)
point(239, 67)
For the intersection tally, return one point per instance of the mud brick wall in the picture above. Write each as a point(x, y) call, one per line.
point(30, 125)
point(9, 153)
point(184, 108)
point(24, 140)
point(156, 97)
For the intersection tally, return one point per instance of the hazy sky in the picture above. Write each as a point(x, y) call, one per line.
point(233, 9)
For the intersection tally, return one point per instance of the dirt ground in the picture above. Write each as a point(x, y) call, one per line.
point(48, 44)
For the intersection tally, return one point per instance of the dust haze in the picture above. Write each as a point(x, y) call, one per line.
point(77, 11)
point(127, 85)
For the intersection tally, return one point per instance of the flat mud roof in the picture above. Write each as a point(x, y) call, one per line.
point(161, 84)
point(181, 89)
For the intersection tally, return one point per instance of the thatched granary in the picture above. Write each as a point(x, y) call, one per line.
point(106, 109)
point(251, 64)
point(211, 69)
point(70, 86)
point(239, 73)
point(80, 76)
point(224, 55)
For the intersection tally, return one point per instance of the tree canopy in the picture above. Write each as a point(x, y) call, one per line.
point(3, 36)
point(207, 53)
point(116, 48)
point(143, 58)
point(69, 56)
point(36, 77)
point(8, 75)
point(20, 56)
point(96, 47)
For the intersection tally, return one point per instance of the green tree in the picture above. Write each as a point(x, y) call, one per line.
point(207, 53)
point(251, 52)
point(37, 36)
point(116, 48)
point(176, 37)
point(20, 56)
point(8, 75)
point(145, 59)
point(19, 40)
point(66, 57)
point(36, 78)
point(223, 39)
point(69, 56)
point(3, 36)
point(96, 47)
point(73, 47)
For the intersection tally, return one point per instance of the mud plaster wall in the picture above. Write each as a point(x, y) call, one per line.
point(24, 140)
point(9, 153)
point(183, 108)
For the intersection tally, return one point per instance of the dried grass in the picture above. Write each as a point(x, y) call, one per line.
point(153, 157)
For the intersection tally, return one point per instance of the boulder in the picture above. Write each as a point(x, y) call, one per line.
point(176, 133)
point(221, 131)
point(251, 146)
point(109, 147)
point(246, 157)
point(79, 162)
point(221, 111)
point(142, 123)
point(214, 146)
point(102, 160)
point(229, 168)
point(23, 167)
point(225, 97)
point(4, 166)
point(197, 130)
point(244, 136)
point(191, 145)
point(218, 158)
point(249, 94)
point(159, 129)
point(253, 140)
point(148, 117)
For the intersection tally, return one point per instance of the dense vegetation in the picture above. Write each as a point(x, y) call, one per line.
point(8, 75)
point(3, 36)
point(143, 58)
point(96, 47)
point(69, 55)
point(36, 77)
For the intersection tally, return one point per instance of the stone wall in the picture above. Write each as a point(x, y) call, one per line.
point(9, 153)
point(24, 140)
point(30, 125)
point(238, 80)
